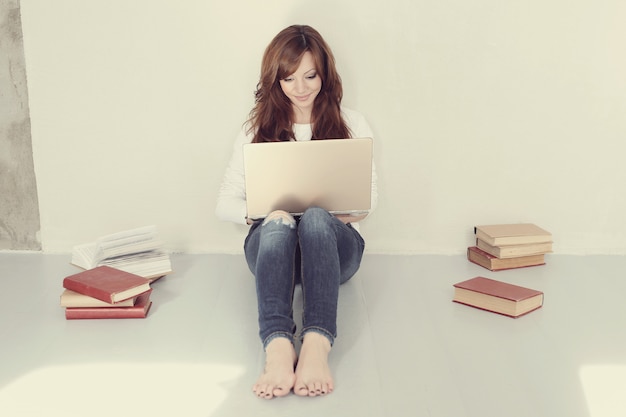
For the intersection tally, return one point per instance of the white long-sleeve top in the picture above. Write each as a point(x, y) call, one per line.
point(231, 203)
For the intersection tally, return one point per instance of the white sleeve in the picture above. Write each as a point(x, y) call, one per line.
point(231, 201)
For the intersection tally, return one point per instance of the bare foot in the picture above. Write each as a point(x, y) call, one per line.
point(313, 376)
point(278, 377)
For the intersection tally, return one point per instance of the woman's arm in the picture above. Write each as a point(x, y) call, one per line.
point(231, 202)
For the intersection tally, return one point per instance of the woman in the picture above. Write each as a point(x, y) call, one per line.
point(298, 97)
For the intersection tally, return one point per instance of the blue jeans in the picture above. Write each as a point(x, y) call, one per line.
point(319, 252)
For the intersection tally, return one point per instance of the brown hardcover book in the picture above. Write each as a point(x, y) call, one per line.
point(107, 284)
point(512, 234)
point(493, 263)
point(497, 296)
point(138, 311)
point(71, 298)
point(514, 251)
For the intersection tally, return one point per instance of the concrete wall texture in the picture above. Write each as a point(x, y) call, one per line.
point(19, 208)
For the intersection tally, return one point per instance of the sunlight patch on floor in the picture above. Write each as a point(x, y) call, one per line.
point(605, 389)
point(157, 389)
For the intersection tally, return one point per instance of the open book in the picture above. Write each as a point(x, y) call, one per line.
point(138, 251)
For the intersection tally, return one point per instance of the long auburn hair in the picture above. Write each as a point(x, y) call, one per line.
point(272, 117)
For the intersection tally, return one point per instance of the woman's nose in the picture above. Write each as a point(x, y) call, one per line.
point(300, 86)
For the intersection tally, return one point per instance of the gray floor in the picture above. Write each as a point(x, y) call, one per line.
point(404, 348)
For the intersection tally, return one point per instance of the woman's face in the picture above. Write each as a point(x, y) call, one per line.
point(302, 86)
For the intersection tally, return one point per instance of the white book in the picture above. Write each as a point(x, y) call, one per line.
point(138, 251)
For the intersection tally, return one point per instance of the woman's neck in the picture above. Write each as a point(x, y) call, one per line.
point(302, 116)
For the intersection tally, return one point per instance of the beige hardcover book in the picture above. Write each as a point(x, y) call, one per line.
point(493, 263)
point(512, 234)
point(514, 251)
point(72, 299)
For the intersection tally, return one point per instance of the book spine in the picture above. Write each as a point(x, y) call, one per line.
point(498, 312)
point(485, 309)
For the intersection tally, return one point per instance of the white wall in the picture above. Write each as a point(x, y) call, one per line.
point(484, 112)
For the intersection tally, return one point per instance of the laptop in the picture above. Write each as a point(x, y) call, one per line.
point(334, 174)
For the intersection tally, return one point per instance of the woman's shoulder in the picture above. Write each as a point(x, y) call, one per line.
point(351, 114)
point(245, 135)
point(356, 122)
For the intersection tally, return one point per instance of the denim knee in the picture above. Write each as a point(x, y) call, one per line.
point(316, 218)
point(274, 237)
point(316, 212)
point(280, 217)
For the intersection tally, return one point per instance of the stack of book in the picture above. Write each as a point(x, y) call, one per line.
point(118, 271)
point(138, 251)
point(105, 293)
point(507, 246)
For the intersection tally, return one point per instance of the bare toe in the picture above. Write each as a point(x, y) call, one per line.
point(313, 376)
point(278, 376)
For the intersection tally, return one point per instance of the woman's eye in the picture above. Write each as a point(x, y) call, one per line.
point(311, 77)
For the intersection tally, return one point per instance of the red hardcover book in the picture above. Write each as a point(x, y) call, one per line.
point(497, 296)
point(138, 311)
point(107, 284)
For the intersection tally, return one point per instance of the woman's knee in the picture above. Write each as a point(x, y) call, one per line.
point(280, 217)
point(316, 213)
point(316, 219)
